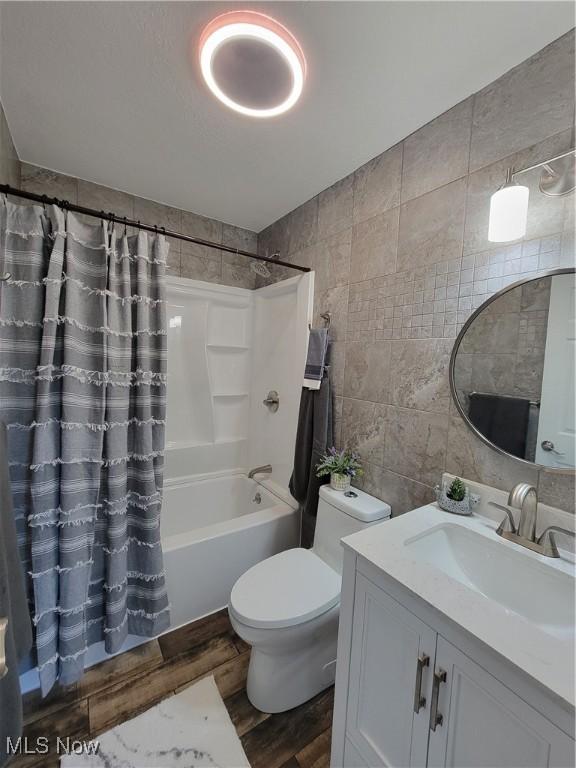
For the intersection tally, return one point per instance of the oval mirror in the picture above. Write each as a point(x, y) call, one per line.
point(512, 370)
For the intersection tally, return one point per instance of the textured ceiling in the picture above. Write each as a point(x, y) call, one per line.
point(105, 91)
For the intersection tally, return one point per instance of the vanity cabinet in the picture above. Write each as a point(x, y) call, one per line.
point(406, 696)
point(480, 722)
point(390, 679)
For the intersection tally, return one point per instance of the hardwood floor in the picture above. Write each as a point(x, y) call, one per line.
point(126, 685)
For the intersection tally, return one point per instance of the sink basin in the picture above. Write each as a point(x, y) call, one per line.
point(520, 583)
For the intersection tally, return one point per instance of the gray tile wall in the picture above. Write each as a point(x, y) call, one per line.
point(185, 259)
point(9, 162)
point(401, 257)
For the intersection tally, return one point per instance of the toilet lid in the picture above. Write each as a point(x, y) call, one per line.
point(286, 589)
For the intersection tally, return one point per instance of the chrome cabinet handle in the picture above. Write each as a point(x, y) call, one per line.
point(3, 667)
point(435, 717)
point(419, 700)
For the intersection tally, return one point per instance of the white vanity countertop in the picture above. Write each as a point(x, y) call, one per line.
point(547, 658)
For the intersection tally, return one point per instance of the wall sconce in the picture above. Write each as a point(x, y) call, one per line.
point(509, 204)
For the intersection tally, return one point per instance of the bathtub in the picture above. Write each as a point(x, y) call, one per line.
point(213, 529)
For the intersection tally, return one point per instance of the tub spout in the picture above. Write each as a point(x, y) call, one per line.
point(267, 468)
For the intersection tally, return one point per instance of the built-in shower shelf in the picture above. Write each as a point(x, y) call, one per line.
point(231, 394)
point(231, 347)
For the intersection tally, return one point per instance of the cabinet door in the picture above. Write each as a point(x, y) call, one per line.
point(482, 724)
point(390, 683)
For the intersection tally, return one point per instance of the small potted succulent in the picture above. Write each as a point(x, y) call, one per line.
point(455, 497)
point(342, 466)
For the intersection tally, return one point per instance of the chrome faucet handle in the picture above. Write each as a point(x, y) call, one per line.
point(509, 517)
point(272, 401)
point(547, 539)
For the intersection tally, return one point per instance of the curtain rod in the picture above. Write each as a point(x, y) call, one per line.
point(68, 206)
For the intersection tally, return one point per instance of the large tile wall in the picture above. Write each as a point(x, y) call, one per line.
point(185, 259)
point(401, 257)
point(9, 162)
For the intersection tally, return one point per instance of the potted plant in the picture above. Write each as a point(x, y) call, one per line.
point(342, 466)
point(456, 497)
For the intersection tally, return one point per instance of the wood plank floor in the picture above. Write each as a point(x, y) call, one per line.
point(126, 685)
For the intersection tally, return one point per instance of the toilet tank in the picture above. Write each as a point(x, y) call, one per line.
point(341, 514)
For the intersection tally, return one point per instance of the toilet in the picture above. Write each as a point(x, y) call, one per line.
point(287, 607)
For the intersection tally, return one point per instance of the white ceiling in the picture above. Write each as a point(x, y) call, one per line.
point(106, 92)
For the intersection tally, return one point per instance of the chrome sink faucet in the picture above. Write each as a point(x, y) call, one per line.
point(524, 497)
point(266, 468)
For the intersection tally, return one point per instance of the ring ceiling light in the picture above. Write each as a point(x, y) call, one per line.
point(252, 63)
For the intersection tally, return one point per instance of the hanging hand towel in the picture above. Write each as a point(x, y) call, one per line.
point(315, 434)
point(316, 359)
point(14, 608)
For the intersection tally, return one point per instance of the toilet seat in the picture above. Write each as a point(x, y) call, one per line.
point(287, 589)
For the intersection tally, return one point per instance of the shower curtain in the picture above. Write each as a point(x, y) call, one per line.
point(83, 395)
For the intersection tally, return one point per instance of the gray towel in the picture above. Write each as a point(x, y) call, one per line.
point(14, 607)
point(316, 358)
point(502, 419)
point(314, 436)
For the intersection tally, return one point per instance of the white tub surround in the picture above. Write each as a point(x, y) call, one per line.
point(282, 314)
point(227, 348)
point(209, 353)
point(432, 593)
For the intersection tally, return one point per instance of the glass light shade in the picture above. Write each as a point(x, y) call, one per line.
point(508, 214)
point(263, 31)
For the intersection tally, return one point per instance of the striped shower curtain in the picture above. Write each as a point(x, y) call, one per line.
point(83, 395)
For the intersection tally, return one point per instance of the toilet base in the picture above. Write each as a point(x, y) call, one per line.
point(281, 681)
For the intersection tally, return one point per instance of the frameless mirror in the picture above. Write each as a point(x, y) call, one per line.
point(512, 371)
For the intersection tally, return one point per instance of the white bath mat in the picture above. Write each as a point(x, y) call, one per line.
point(190, 730)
